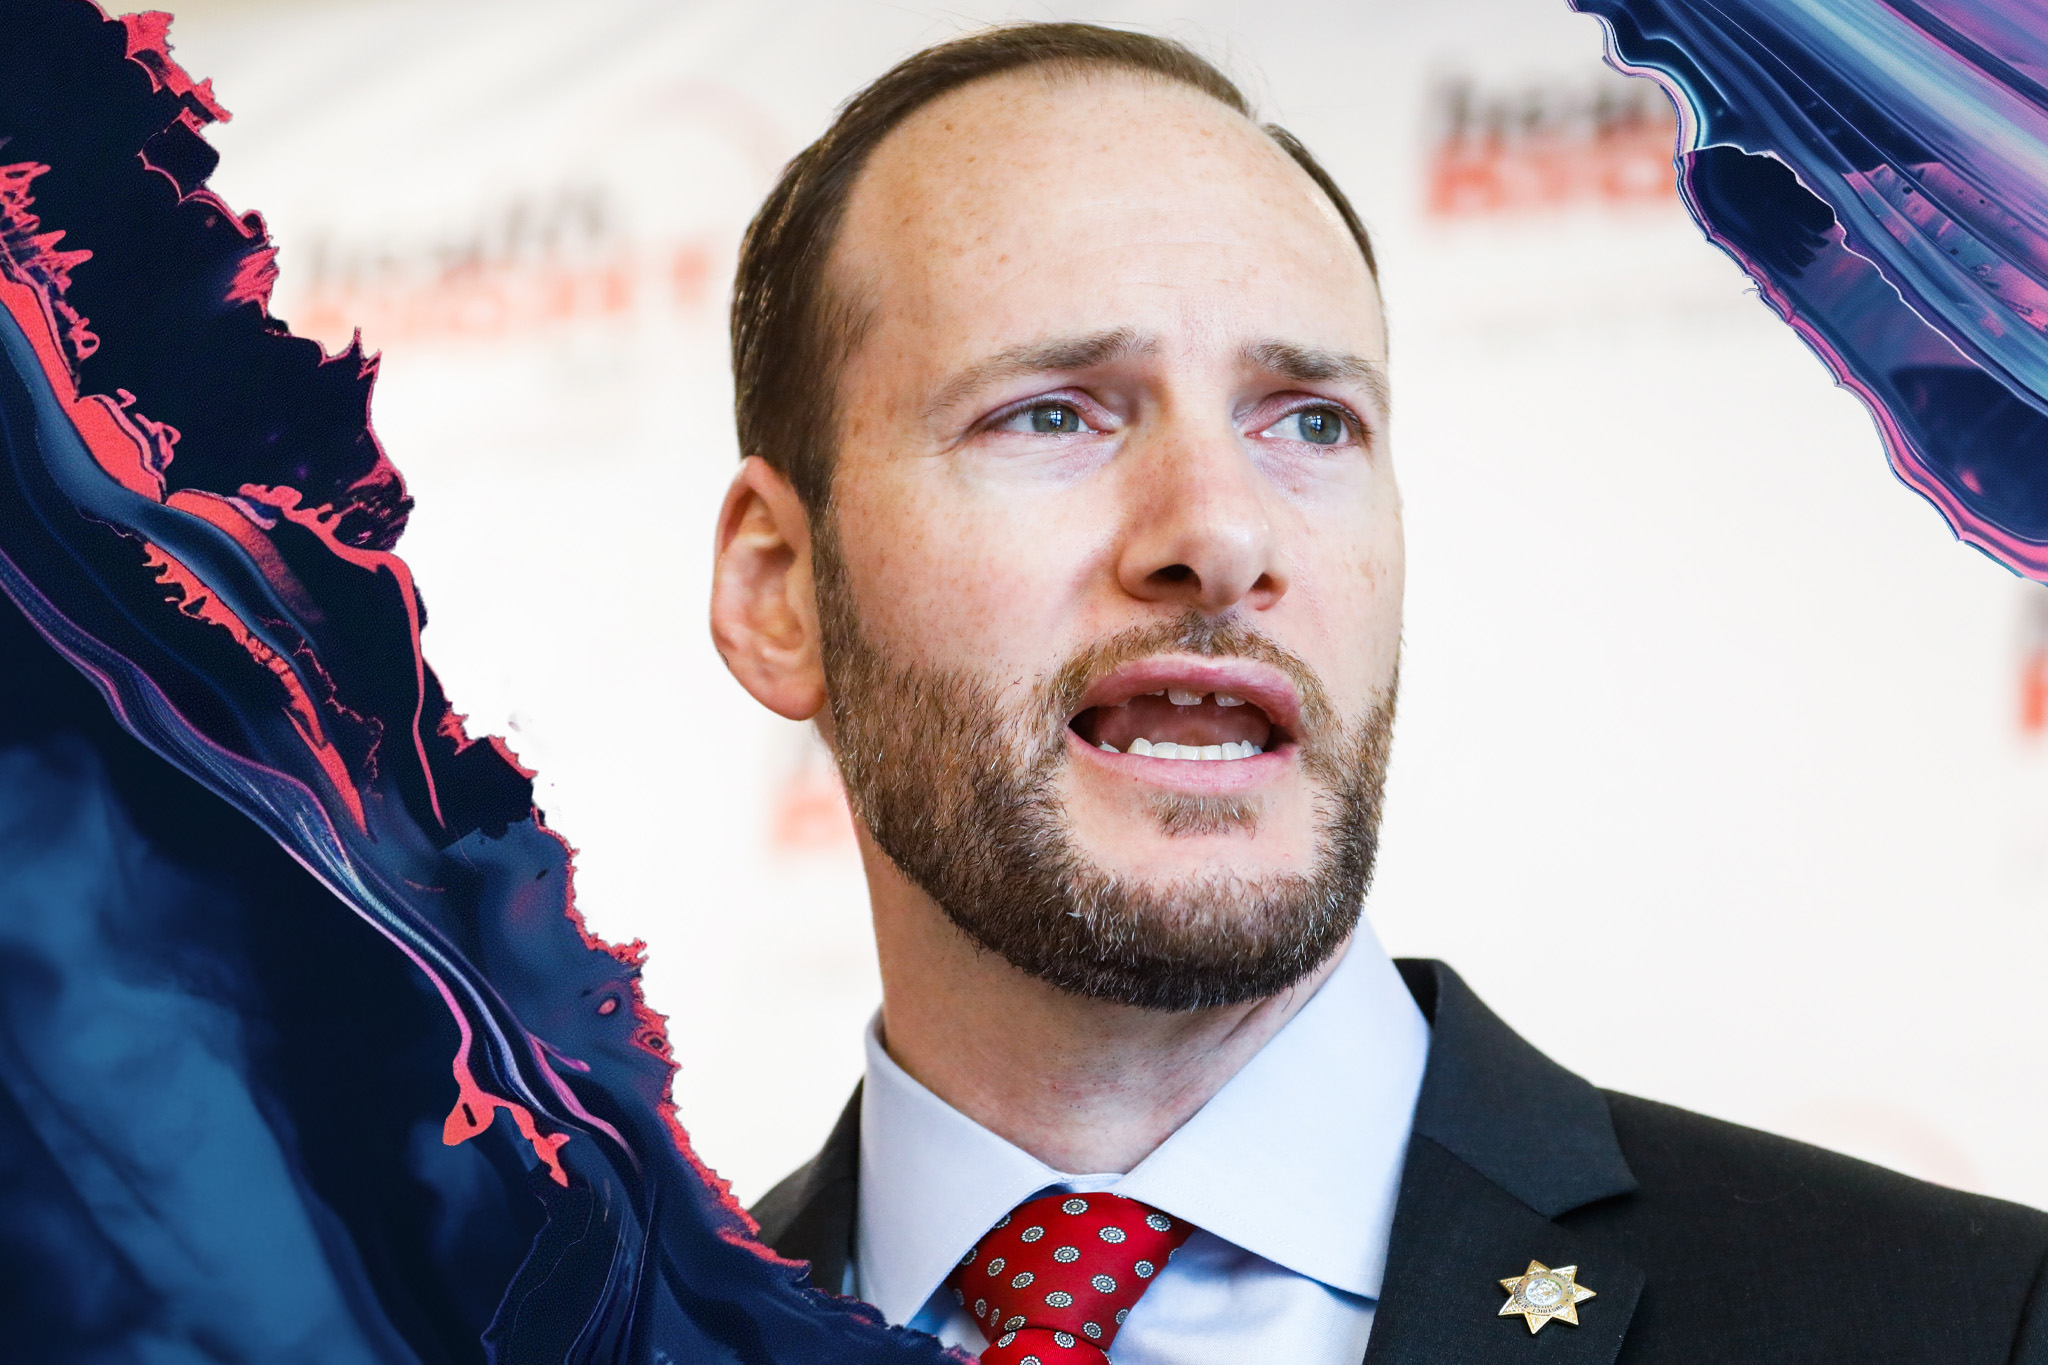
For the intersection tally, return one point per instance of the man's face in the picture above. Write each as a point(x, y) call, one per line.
point(1112, 477)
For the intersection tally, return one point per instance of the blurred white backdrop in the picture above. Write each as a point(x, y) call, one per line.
point(1720, 769)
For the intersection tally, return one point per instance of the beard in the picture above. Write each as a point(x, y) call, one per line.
point(964, 800)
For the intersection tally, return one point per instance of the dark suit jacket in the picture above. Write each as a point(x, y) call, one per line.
point(1705, 1242)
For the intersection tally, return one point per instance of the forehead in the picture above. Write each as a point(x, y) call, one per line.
point(1038, 200)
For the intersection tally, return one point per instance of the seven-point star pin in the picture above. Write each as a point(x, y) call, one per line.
point(1540, 1294)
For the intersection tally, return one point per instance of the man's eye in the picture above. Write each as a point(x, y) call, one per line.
point(1046, 419)
point(1316, 426)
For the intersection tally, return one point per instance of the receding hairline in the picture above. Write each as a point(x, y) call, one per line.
point(1053, 74)
point(852, 304)
point(1072, 67)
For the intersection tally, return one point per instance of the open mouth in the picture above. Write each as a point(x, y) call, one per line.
point(1188, 718)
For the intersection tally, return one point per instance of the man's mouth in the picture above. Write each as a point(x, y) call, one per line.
point(1186, 717)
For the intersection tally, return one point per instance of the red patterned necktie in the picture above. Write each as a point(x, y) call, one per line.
point(1052, 1282)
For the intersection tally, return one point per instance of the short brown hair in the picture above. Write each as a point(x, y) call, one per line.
point(789, 336)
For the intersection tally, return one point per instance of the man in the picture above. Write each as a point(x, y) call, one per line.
point(1068, 513)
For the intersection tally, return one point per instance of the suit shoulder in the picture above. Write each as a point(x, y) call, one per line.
point(1725, 1173)
point(809, 1215)
point(777, 1210)
point(1779, 1251)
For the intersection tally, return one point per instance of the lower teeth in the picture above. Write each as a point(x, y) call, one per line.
point(1145, 748)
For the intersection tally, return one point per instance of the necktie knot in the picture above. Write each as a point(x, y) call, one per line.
point(1052, 1282)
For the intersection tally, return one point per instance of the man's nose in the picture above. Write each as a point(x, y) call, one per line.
point(1202, 533)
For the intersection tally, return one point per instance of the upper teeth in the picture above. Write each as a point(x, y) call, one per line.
point(1181, 696)
point(1168, 749)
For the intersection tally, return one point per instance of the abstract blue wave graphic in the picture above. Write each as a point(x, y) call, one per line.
point(305, 1054)
point(1880, 167)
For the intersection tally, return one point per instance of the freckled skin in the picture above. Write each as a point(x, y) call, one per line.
point(1020, 209)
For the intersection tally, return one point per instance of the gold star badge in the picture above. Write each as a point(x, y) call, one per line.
point(1540, 1294)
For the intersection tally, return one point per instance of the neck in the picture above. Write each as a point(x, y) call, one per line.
point(1086, 1086)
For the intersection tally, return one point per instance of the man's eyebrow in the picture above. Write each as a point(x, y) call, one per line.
point(1053, 355)
point(1313, 364)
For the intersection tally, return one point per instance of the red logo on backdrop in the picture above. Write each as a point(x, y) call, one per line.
point(2033, 679)
point(1541, 145)
point(528, 264)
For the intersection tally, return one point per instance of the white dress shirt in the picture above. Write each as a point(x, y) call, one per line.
point(1290, 1172)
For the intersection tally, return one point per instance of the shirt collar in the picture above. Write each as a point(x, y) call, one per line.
point(932, 1181)
point(1296, 1159)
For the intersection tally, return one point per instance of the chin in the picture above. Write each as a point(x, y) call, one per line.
point(1153, 831)
point(1164, 850)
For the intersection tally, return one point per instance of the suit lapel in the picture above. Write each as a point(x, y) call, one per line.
point(1505, 1142)
point(1456, 1236)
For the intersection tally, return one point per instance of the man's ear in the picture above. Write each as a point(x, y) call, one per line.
point(764, 611)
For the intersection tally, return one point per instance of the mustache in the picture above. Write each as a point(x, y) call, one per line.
point(1193, 632)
